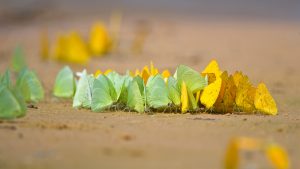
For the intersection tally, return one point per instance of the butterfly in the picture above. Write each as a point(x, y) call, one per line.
point(192, 79)
point(65, 85)
point(157, 92)
point(12, 103)
point(103, 94)
point(136, 95)
point(188, 101)
point(226, 98)
point(210, 93)
point(245, 93)
point(212, 71)
point(174, 92)
point(30, 86)
point(83, 94)
point(99, 40)
point(18, 61)
point(263, 100)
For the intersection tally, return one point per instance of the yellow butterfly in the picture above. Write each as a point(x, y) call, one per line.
point(60, 48)
point(145, 74)
point(263, 100)
point(188, 101)
point(76, 49)
point(226, 98)
point(153, 70)
point(210, 93)
point(212, 68)
point(245, 93)
point(99, 41)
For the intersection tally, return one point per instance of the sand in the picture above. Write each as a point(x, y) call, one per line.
point(57, 136)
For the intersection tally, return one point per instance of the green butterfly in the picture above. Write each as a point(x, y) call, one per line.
point(5, 79)
point(174, 92)
point(136, 95)
point(104, 94)
point(117, 81)
point(65, 85)
point(12, 104)
point(30, 86)
point(157, 93)
point(18, 60)
point(124, 90)
point(83, 94)
point(194, 81)
point(192, 101)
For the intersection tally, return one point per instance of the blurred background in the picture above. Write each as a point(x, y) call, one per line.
point(11, 10)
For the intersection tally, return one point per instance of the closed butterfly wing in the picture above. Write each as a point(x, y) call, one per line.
point(6, 80)
point(124, 90)
point(212, 68)
point(226, 98)
point(210, 93)
point(174, 93)
point(193, 80)
point(157, 93)
point(135, 98)
point(99, 40)
point(245, 94)
point(263, 101)
point(30, 86)
point(10, 107)
point(101, 96)
point(117, 81)
point(83, 94)
point(192, 101)
point(64, 86)
point(184, 98)
point(18, 60)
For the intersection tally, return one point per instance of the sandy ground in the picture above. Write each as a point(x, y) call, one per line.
point(57, 136)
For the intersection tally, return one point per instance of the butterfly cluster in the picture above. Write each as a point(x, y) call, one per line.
point(148, 90)
point(26, 89)
point(72, 48)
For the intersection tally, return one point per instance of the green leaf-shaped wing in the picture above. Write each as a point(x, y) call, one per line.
point(135, 98)
point(103, 95)
point(83, 94)
point(194, 81)
point(65, 83)
point(157, 92)
point(174, 93)
point(30, 86)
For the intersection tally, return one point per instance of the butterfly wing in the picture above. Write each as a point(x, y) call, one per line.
point(10, 107)
point(226, 98)
point(174, 93)
point(101, 96)
point(65, 83)
point(30, 86)
point(83, 94)
point(263, 101)
point(210, 93)
point(157, 93)
point(135, 98)
point(193, 80)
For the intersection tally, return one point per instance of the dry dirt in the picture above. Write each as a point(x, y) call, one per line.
point(57, 136)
